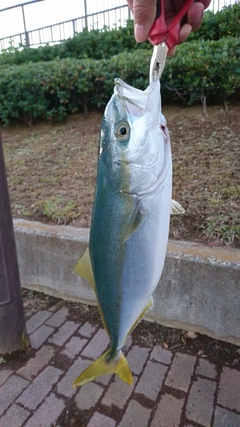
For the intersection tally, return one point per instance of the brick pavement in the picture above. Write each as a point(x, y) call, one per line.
point(169, 389)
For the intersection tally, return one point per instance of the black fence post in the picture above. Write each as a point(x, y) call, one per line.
point(12, 321)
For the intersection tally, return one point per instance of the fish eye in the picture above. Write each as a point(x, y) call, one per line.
point(122, 131)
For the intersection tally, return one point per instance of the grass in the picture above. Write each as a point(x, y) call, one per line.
point(51, 171)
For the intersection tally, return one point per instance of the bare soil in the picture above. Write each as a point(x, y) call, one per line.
point(51, 170)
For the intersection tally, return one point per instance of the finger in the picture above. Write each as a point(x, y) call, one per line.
point(144, 13)
point(195, 15)
point(184, 32)
point(130, 4)
point(205, 3)
point(172, 51)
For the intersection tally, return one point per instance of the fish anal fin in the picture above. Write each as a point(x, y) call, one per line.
point(136, 221)
point(176, 208)
point(146, 308)
point(84, 268)
point(104, 365)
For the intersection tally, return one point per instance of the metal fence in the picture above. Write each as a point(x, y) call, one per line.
point(51, 34)
point(111, 17)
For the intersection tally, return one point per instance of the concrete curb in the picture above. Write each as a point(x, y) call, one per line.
point(199, 289)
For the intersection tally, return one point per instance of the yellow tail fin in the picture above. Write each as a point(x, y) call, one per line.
point(105, 365)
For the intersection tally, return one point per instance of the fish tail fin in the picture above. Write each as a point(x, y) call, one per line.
point(106, 364)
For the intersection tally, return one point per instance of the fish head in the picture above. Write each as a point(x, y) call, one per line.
point(134, 141)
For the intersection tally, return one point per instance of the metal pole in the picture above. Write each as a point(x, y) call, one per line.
point(12, 321)
point(25, 28)
point(85, 13)
point(129, 14)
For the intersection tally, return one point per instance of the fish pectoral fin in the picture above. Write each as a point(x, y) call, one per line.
point(136, 220)
point(176, 208)
point(84, 268)
point(105, 364)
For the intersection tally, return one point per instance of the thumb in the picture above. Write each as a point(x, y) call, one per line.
point(144, 13)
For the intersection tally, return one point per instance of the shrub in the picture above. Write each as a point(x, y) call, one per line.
point(103, 44)
point(199, 70)
point(202, 70)
point(96, 44)
point(215, 26)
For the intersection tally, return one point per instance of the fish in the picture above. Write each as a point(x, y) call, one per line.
point(130, 219)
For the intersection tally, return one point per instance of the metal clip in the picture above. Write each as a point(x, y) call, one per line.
point(158, 61)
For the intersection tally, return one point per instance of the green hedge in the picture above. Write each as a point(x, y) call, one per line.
point(103, 44)
point(199, 70)
point(96, 44)
point(218, 25)
point(204, 70)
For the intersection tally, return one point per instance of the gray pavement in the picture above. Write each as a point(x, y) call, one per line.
point(169, 389)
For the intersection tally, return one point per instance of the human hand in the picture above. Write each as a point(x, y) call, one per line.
point(144, 12)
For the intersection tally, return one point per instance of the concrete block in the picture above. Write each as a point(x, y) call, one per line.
point(47, 255)
point(199, 289)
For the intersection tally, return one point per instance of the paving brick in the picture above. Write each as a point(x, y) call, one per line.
point(37, 363)
point(87, 330)
point(97, 345)
point(225, 418)
point(40, 336)
point(4, 375)
point(151, 380)
point(200, 401)
point(206, 369)
point(168, 412)
point(181, 371)
point(37, 320)
point(229, 387)
point(137, 357)
point(136, 415)
point(58, 318)
point(99, 420)
point(12, 388)
point(39, 388)
point(53, 308)
point(88, 395)
point(15, 416)
point(127, 344)
point(118, 393)
point(104, 380)
point(64, 333)
point(74, 346)
point(65, 385)
point(159, 354)
point(47, 413)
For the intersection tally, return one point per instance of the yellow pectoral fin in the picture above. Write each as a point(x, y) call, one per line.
point(136, 221)
point(105, 365)
point(84, 268)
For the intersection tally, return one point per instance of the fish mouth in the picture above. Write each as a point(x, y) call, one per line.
point(136, 101)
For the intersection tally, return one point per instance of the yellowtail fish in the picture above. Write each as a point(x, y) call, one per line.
point(130, 218)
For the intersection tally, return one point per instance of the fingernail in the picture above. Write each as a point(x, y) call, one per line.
point(140, 33)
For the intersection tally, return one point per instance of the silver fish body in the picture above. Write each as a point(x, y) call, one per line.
point(130, 219)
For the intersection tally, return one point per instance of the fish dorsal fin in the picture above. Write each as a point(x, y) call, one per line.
point(176, 208)
point(135, 222)
point(84, 268)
